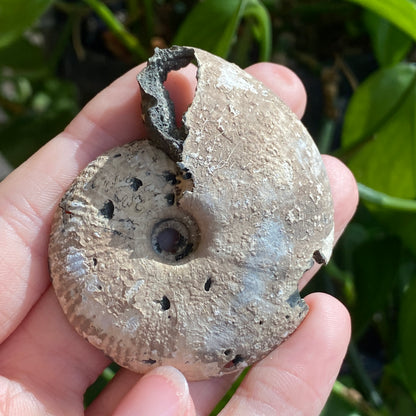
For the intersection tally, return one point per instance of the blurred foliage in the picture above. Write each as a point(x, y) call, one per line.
point(16, 17)
point(217, 22)
point(356, 59)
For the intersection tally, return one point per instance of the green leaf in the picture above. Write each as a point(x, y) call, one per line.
point(369, 107)
point(401, 13)
point(401, 224)
point(379, 138)
point(18, 15)
point(51, 106)
point(380, 131)
point(211, 25)
point(407, 336)
point(24, 59)
point(390, 44)
point(375, 266)
point(394, 388)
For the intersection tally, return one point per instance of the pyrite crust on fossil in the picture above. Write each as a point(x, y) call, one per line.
point(186, 249)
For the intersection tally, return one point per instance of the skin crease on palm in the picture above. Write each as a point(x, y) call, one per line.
point(45, 367)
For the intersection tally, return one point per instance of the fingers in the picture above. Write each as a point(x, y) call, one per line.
point(113, 393)
point(163, 391)
point(18, 401)
point(283, 82)
point(297, 377)
point(294, 379)
point(344, 192)
point(205, 394)
point(49, 360)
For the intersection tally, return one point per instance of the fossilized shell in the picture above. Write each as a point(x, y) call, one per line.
point(186, 249)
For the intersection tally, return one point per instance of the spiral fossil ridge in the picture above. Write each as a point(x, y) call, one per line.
point(186, 248)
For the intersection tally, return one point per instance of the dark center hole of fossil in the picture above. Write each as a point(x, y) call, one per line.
point(173, 240)
point(169, 240)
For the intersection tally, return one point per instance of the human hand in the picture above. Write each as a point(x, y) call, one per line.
point(45, 366)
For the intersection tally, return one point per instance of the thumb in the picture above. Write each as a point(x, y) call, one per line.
point(163, 392)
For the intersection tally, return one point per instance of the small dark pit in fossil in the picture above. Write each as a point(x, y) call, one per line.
point(108, 209)
point(165, 303)
point(235, 361)
point(170, 199)
point(207, 285)
point(135, 184)
point(148, 361)
point(171, 178)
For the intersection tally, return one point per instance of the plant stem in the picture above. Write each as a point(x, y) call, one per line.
point(262, 28)
point(150, 18)
point(326, 135)
point(344, 277)
point(386, 201)
point(129, 41)
point(363, 380)
point(132, 9)
point(355, 399)
point(229, 393)
point(108, 374)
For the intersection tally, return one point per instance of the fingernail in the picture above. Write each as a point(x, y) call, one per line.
point(162, 392)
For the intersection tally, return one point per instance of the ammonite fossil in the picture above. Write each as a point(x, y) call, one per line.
point(186, 248)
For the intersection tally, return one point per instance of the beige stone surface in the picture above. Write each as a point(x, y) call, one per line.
point(196, 264)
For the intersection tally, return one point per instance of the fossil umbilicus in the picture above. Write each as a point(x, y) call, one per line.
point(186, 249)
